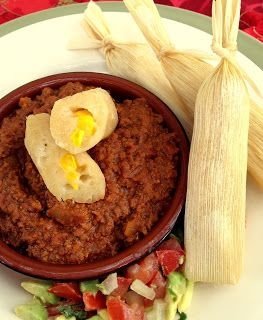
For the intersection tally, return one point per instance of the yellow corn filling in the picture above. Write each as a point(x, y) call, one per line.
point(86, 126)
point(69, 165)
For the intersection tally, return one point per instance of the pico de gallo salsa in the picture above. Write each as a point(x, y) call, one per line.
point(152, 289)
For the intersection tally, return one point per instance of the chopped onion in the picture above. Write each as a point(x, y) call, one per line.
point(181, 260)
point(158, 311)
point(160, 308)
point(150, 315)
point(109, 284)
point(139, 287)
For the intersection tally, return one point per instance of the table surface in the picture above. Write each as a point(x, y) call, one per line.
point(251, 15)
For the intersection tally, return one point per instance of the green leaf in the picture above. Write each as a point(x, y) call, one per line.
point(182, 316)
point(69, 311)
point(89, 286)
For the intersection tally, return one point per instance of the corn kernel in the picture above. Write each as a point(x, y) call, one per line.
point(77, 137)
point(85, 126)
point(69, 165)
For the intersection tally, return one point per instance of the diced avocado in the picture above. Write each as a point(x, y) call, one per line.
point(36, 300)
point(103, 314)
point(176, 284)
point(95, 318)
point(40, 290)
point(89, 286)
point(176, 287)
point(64, 318)
point(32, 311)
point(171, 307)
point(186, 299)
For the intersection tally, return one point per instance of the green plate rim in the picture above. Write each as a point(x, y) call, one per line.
point(249, 46)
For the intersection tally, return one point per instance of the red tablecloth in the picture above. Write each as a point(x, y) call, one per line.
point(251, 18)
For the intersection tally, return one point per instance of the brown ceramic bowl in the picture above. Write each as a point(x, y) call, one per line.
point(119, 88)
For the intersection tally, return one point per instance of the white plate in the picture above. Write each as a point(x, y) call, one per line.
point(40, 49)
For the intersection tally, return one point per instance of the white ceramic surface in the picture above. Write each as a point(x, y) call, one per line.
point(39, 50)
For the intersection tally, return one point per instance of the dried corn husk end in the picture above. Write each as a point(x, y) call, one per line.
point(146, 16)
point(133, 61)
point(185, 72)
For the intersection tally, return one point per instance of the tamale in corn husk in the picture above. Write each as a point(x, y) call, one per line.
point(180, 68)
point(133, 61)
point(187, 70)
point(216, 193)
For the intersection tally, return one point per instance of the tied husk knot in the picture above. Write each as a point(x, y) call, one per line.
point(133, 61)
point(227, 51)
point(186, 70)
point(164, 52)
point(107, 44)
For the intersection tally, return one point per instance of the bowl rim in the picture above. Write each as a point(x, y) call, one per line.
point(32, 267)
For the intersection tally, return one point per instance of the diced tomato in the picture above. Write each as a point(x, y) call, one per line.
point(145, 270)
point(171, 244)
point(69, 290)
point(94, 301)
point(133, 271)
point(148, 303)
point(137, 312)
point(119, 310)
point(169, 260)
point(133, 299)
point(158, 283)
point(123, 286)
point(169, 255)
point(53, 311)
point(150, 265)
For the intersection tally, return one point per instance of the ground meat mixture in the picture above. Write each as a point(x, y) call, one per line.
point(139, 161)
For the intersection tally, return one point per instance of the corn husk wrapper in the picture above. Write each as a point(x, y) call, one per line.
point(216, 193)
point(133, 61)
point(181, 68)
point(187, 70)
